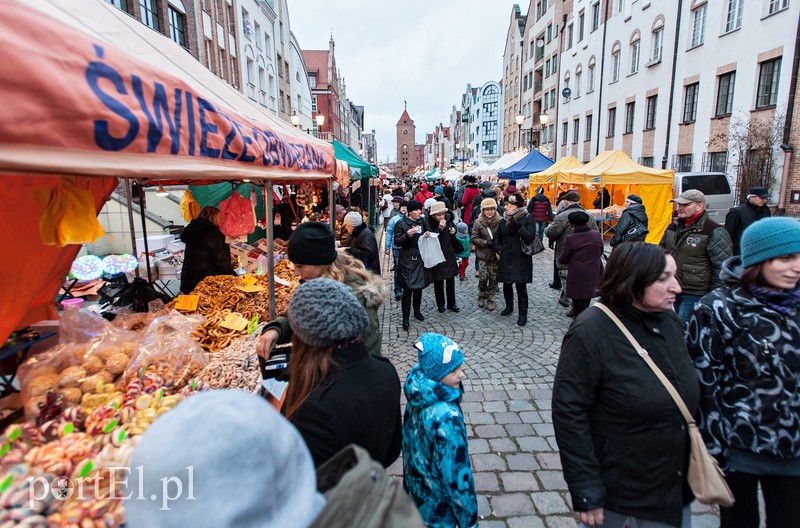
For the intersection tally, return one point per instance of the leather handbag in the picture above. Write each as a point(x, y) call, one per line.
point(705, 477)
point(533, 247)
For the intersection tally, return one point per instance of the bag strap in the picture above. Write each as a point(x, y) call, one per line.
point(647, 359)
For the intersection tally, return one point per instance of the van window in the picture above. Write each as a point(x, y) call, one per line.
point(708, 184)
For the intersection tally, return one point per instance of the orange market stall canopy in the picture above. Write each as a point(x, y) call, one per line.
point(548, 178)
point(91, 94)
point(616, 169)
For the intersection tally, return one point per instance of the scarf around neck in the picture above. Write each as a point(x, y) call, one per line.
point(784, 302)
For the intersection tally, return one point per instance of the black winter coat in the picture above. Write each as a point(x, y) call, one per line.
point(476, 205)
point(623, 442)
point(363, 246)
point(742, 216)
point(630, 215)
point(411, 272)
point(206, 253)
point(359, 405)
point(449, 268)
point(515, 266)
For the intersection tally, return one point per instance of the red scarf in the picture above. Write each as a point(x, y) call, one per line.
point(692, 219)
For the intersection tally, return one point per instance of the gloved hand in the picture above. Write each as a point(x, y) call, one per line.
point(551, 243)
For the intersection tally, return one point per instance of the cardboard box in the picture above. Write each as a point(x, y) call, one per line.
point(154, 242)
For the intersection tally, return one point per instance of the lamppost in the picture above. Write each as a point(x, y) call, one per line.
point(295, 119)
point(543, 120)
point(519, 119)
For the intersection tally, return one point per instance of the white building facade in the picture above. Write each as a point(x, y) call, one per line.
point(257, 53)
point(485, 123)
point(729, 62)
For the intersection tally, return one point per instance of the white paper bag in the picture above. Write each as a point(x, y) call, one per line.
point(430, 250)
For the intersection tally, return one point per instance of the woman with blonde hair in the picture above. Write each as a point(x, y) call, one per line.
point(339, 393)
point(206, 251)
point(312, 251)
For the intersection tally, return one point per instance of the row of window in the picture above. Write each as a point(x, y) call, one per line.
point(766, 97)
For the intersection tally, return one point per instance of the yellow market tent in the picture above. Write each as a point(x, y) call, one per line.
point(617, 169)
point(549, 175)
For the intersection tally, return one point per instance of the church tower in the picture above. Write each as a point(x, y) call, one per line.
point(406, 132)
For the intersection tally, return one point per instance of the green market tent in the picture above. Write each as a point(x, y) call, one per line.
point(359, 168)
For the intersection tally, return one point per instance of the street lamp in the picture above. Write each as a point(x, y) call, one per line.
point(519, 119)
point(295, 119)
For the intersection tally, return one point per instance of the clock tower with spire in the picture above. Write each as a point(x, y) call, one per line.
point(406, 133)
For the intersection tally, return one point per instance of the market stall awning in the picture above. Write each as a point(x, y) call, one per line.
point(359, 168)
point(453, 175)
point(91, 94)
point(506, 160)
point(617, 167)
point(89, 90)
point(549, 174)
point(482, 168)
point(534, 161)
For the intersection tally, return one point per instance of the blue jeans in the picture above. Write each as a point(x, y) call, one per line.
point(397, 290)
point(616, 520)
point(684, 305)
point(538, 227)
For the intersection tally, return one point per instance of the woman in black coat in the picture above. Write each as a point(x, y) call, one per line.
point(411, 274)
point(623, 443)
point(515, 267)
point(206, 252)
point(339, 393)
point(360, 242)
point(582, 251)
point(440, 222)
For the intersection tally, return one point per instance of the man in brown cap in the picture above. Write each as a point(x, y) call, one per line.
point(699, 246)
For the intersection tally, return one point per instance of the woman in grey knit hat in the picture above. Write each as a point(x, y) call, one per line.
point(339, 393)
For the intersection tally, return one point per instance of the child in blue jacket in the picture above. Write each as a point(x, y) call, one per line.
point(462, 234)
point(437, 473)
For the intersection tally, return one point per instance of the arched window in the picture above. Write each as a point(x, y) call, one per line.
point(615, 61)
point(590, 75)
point(657, 39)
point(635, 50)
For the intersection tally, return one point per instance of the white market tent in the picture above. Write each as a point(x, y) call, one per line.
point(507, 160)
point(453, 175)
point(478, 169)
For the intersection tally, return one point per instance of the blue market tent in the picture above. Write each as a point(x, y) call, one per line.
point(535, 161)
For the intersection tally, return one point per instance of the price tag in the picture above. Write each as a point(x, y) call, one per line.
point(234, 321)
point(253, 324)
point(249, 280)
point(282, 281)
point(187, 303)
point(251, 289)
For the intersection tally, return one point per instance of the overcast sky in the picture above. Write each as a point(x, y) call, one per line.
point(422, 51)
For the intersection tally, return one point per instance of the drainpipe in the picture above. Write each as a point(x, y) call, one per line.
point(600, 93)
point(672, 83)
point(786, 146)
point(557, 123)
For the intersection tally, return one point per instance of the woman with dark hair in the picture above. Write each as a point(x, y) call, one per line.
point(623, 442)
point(206, 252)
point(339, 393)
point(515, 269)
point(744, 338)
point(582, 251)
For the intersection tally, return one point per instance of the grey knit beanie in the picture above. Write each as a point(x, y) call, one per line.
point(323, 312)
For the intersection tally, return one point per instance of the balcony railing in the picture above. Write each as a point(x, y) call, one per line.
point(539, 53)
point(324, 136)
point(537, 85)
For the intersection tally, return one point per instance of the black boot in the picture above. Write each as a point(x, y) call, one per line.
point(507, 310)
point(406, 324)
point(418, 316)
point(522, 320)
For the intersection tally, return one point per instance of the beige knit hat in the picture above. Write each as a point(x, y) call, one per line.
point(488, 203)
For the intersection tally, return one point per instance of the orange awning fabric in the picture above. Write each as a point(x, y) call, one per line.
point(96, 93)
point(91, 93)
point(30, 272)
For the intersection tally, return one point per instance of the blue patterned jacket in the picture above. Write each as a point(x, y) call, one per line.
point(437, 472)
point(746, 356)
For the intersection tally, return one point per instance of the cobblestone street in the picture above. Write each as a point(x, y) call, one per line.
point(506, 404)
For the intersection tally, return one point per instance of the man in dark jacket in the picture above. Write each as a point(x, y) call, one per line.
point(752, 209)
point(699, 246)
point(361, 242)
point(633, 216)
point(541, 209)
point(557, 233)
point(486, 192)
point(438, 195)
point(449, 192)
point(206, 251)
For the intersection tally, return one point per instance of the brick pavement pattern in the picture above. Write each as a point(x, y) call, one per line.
point(506, 403)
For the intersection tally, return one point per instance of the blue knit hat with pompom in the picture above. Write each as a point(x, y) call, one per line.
point(438, 355)
point(770, 238)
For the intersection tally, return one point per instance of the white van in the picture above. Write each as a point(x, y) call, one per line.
point(716, 187)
